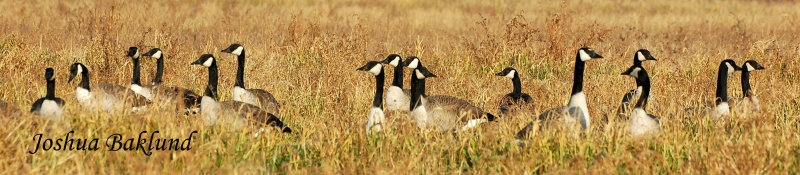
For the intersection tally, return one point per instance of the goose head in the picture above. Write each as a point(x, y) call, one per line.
point(48, 74)
point(644, 55)
point(422, 73)
point(729, 66)
point(75, 69)
point(206, 60)
point(412, 62)
point(393, 59)
point(586, 54)
point(509, 73)
point(235, 49)
point(751, 65)
point(133, 52)
point(155, 53)
point(373, 67)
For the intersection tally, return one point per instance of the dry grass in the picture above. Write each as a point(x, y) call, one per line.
point(306, 53)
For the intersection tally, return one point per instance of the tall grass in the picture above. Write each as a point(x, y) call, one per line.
point(306, 53)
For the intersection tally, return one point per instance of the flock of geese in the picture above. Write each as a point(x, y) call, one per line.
point(451, 114)
point(249, 107)
point(258, 108)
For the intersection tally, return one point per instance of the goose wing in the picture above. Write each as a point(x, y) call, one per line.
point(464, 109)
point(625, 105)
point(189, 98)
point(267, 101)
point(255, 115)
point(122, 93)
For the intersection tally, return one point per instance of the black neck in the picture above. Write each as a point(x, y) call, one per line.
point(398, 77)
point(136, 73)
point(644, 81)
point(159, 71)
point(577, 83)
point(722, 84)
point(213, 74)
point(379, 80)
point(746, 83)
point(517, 86)
point(85, 79)
point(240, 71)
point(51, 89)
point(417, 89)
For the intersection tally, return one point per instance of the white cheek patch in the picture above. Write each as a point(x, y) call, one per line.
point(730, 68)
point(584, 56)
point(414, 64)
point(640, 56)
point(395, 62)
point(208, 62)
point(749, 67)
point(238, 51)
point(376, 69)
point(136, 55)
point(157, 55)
point(419, 74)
point(80, 69)
point(510, 74)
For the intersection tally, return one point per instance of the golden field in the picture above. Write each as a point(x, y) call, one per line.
point(306, 54)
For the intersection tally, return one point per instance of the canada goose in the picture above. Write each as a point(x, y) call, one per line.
point(516, 100)
point(236, 113)
point(376, 116)
point(163, 92)
point(397, 98)
point(640, 121)
point(640, 56)
point(258, 97)
point(749, 103)
point(721, 106)
point(50, 105)
point(108, 97)
point(442, 112)
point(8, 110)
point(136, 83)
point(576, 110)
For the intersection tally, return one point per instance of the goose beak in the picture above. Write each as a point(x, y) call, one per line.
point(197, 62)
point(71, 76)
point(736, 68)
point(500, 74)
point(363, 68)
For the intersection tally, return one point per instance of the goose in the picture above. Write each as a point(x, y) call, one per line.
point(749, 103)
point(136, 83)
point(641, 55)
point(49, 106)
point(516, 100)
point(258, 97)
point(237, 113)
point(397, 98)
point(103, 96)
point(187, 97)
point(576, 110)
point(641, 122)
point(376, 116)
point(442, 112)
point(8, 110)
point(721, 106)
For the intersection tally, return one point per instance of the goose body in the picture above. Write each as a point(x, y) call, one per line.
point(376, 117)
point(576, 112)
point(641, 55)
point(182, 97)
point(233, 113)
point(49, 106)
point(440, 112)
point(258, 97)
point(104, 96)
point(641, 122)
point(516, 100)
point(397, 98)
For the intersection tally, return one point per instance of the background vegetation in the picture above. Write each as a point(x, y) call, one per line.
point(306, 53)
